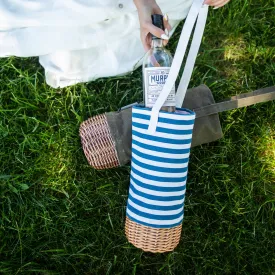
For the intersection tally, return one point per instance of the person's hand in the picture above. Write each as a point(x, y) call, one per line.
point(216, 3)
point(145, 9)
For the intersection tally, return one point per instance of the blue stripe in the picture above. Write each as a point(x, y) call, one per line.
point(161, 139)
point(154, 217)
point(155, 207)
point(160, 149)
point(163, 130)
point(157, 188)
point(159, 169)
point(159, 159)
point(190, 113)
point(153, 225)
point(165, 120)
point(156, 198)
point(156, 178)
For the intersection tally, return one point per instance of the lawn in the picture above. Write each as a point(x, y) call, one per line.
point(60, 216)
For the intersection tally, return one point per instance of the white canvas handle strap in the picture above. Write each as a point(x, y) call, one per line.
point(191, 59)
point(176, 64)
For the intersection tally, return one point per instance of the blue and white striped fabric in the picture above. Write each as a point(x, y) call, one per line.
point(159, 167)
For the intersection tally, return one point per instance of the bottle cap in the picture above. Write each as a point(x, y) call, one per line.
point(157, 20)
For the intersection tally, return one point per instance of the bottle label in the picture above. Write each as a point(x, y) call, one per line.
point(154, 80)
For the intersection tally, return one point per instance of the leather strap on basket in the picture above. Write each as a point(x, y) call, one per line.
point(198, 10)
point(239, 101)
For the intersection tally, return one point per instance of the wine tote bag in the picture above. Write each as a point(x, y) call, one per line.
point(161, 143)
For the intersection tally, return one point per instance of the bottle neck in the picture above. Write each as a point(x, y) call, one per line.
point(157, 43)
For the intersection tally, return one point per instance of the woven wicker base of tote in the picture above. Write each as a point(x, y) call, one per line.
point(97, 143)
point(155, 240)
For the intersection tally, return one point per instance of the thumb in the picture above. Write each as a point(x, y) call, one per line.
point(157, 31)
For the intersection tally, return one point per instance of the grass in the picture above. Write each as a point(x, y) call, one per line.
point(60, 216)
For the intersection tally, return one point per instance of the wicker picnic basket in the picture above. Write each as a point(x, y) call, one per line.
point(97, 143)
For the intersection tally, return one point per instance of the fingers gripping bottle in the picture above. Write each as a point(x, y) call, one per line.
point(156, 67)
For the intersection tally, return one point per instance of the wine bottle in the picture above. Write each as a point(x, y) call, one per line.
point(156, 66)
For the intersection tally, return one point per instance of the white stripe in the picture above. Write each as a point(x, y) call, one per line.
point(164, 125)
point(158, 174)
point(176, 116)
point(162, 144)
point(160, 154)
point(154, 202)
point(153, 211)
point(155, 222)
point(159, 164)
point(157, 193)
point(163, 135)
point(157, 183)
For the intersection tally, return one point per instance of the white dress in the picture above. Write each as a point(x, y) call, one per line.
point(78, 40)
